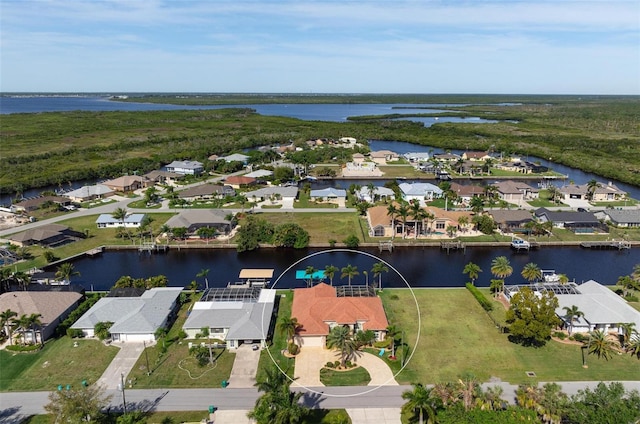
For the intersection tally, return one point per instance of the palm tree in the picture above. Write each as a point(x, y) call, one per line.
point(420, 400)
point(403, 212)
point(204, 273)
point(477, 204)
point(392, 333)
point(28, 323)
point(473, 271)
point(377, 269)
point(491, 398)
point(445, 393)
point(392, 211)
point(592, 185)
point(467, 391)
point(330, 272)
point(563, 279)
point(349, 271)
point(463, 222)
point(372, 190)
point(65, 272)
point(341, 338)
point(289, 326)
point(22, 279)
point(571, 313)
point(633, 347)
point(600, 345)
point(418, 214)
point(271, 380)
point(636, 273)
point(120, 214)
point(531, 272)
point(628, 329)
point(6, 321)
point(501, 268)
point(308, 272)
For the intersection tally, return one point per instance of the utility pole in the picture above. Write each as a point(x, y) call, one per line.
point(124, 400)
point(146, 355)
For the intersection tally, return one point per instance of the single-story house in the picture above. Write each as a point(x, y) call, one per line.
point(286, 194)
point(476, 156)
point(602, 193)
point(330, 195)
point(206, 191)
point(416, 156)
point(35, 203)
point(86, 193)
point(260, 173)
point(511, 221)
point(236, 157)
point(135, 319)
point(185, 167)
point(571, 220)
point(515, 191)
point(467, 192)
point(53, 306)
point(381, 157)
point(624, 218)
point(193, 219)
point(379, 221)
point(441, 219)
point(421, 192)
point(128, 183)
point(49, 235)
point(603, 309)
point(235, 315)
point(236, 181)
point(320, 308)
point(163, 177)
point(133, 220)
point(379, 193)
point(446, 157)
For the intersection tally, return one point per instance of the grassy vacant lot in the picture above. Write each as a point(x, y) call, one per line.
point(458, 337)
point(322, 227)
point(58, 363)
point(279, 343)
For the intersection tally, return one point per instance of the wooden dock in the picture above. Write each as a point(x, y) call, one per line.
point(453, 245)
point(609, 244)
point(386, 245)
point(95, 252)
point(152, 247)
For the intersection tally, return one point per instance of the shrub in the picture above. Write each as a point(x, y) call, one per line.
point(182, 335)
point(293, 348)
point(394, 297)
point(332, 243)
point(352, 241)
point(560, 335)
point(24, 348)
point(336, 364)
point(349, 364)
point(74, 333)
point(631, 298)
point(480, 297)
point(329, 364)
point(579, 337)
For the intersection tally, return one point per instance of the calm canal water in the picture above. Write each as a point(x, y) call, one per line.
point(421, 267)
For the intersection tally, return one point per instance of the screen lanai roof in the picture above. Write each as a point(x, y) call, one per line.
point(555, 288)
point(232, 294)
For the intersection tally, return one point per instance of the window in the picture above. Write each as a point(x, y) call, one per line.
point(217, 330)
point(440, 225)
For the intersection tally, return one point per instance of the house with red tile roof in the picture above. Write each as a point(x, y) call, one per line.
point(322, 307)
point(236, 181)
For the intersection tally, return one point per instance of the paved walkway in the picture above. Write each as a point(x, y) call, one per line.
point(374, 415)
point(311, 359)
point(245, 367)
point(121, 365)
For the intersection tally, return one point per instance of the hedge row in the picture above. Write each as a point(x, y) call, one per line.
point(480, 297)
point(90, 300)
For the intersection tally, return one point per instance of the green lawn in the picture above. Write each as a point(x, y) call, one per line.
point(355, 377)
point(58, 363)
point(458, 337)
point(322, 227)
point(279, 342)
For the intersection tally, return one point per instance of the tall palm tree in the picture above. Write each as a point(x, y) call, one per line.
point(271, 380)
point(6, 321)
point(592, 185)
point(571, 313)
point(633, 347)
point(491, 398)
point(29, 323)
point(473, 271)
point(463, 222)
point(377, 270)
point(308, 272)
point(289, 326)
point(418, 214)
point(467, 388)
point(403, 213)
point(22, 279)
point(371, 187)
point(531, 272)
point(420, 400)
point(120, 214)
point(65, 271)
point(341, 338)
point(628, 329)
point(392, 211)
point(330, 272)
point(392, 333)
point(600, 345)
point(203, 274)
point(349, 271)
point(501, 268)
point(477, 204)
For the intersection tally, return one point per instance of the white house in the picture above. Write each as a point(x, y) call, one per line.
point(236, 157)
point(135, 319)
point(90, 192)
point(330, 195)
point(235, 315)
point(185, 167)
point(379, 193)
point(133, 220)
point(421, 192)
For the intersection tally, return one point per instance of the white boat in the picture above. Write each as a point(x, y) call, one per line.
point(550, 276)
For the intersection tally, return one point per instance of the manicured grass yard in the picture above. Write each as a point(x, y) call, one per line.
point(458, 337)
point(58, 363)
point(279, 340)
point(355, 377)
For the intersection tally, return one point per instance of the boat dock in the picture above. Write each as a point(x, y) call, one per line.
point(152, 247)
point(520, 244)
point(609, 244)
point(386, 245)
point(453, 245)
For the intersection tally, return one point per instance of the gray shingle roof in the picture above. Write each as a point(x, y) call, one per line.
point(131, 315)
point(190, 217)
point(289, 191)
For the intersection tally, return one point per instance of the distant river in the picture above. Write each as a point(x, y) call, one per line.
point(422, 267)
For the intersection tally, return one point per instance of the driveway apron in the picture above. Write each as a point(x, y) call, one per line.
point(121, 365)
point(245, 367)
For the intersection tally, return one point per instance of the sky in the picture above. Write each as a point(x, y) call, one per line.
point(323, 46)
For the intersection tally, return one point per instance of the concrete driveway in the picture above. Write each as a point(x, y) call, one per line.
point(245, 366)
point(122, 364)
point(374, 415)
point(311, 359)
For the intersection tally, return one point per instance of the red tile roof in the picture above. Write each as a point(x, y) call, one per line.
point(317, 306)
